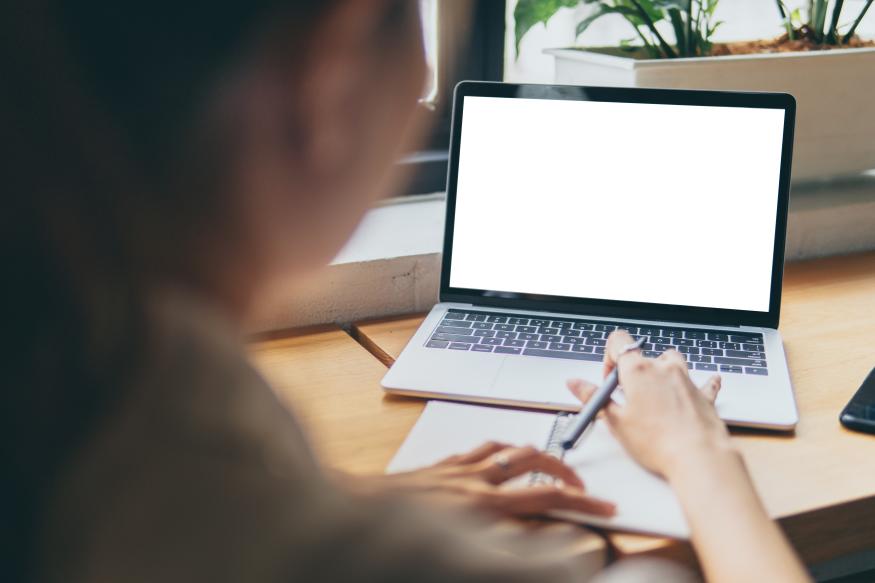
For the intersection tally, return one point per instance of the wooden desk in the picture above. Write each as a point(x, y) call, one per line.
point(332, 384)
point(819, 482)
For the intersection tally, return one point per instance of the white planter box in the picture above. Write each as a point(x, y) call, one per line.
point(835, 123)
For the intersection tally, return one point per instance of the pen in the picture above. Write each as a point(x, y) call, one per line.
point(599, 399)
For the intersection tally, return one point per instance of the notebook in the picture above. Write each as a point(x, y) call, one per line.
point(645, 502)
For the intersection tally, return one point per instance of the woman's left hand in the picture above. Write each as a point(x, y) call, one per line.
point(476, 479)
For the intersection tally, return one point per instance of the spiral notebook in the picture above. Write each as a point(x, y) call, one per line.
point(645, 502)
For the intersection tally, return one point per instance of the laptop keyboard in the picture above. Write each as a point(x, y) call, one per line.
point(717, 351)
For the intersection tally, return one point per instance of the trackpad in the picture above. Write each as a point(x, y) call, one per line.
point(542, 380)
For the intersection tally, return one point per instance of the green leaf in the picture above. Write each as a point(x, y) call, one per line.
point(528, 13)
point(602, 10)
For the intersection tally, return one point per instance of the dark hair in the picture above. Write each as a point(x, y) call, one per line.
point(97, 104)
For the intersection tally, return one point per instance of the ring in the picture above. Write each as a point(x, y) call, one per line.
point(502, 461)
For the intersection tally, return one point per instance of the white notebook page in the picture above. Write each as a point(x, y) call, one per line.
point(645, 502)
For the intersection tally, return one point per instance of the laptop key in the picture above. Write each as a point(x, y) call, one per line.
point(570, 332)
point(689, 349)
point(560, 354)
point(547, 330)
point(746, 338)
point(560, 324)
point(753, 347)
point(605, 327)
point(591, 334)
point(728, 368)
point(484, 333)
point(649, 331)
point(476, 317)
point(454, 316)
point(453, 330)
point(718, 336)
point(738, 361)
point(518, 321)
point(661, 347)
point(713, 351)
point(581, 348)
point(706, 343)
point(536, 344)
point(510, 342)
point(454, 337)
point(480, 348)
point(706, 366)
point(683, 342)
point(507, 350)
point(730, 345)
point(527, 336)
point(660, 340)
point(539, 322)
point(510, 335)
point(550, 338)
point(672, 333)
point(582, 326)
point(694, 335)
point(559, 346)
point(457, 324)
point(527, 329)
point(497, 319)
point(699, 358)
point(596, 341)
point(437, 343)
point(746, 354)
point(459, 346)
point(756, 370)
point(480, 326)
point(503, 327)
point(492, 341)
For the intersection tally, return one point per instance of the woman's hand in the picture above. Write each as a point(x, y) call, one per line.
point(477, 479)
point(666, 420)
point(671, 427)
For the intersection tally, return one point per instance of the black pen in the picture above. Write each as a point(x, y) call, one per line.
point(598, 400)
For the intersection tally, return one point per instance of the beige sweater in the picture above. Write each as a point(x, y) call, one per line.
point(202, 475)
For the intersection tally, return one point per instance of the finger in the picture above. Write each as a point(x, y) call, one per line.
point(712, 387)
point(672, 356)
point(581, 389)
point(477, 454)
point(617, 341)
point(539, 500)
point(519, 461)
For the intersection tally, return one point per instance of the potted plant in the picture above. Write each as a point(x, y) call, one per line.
point(819, 59)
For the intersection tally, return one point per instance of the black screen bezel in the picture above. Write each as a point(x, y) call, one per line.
point(612, 308)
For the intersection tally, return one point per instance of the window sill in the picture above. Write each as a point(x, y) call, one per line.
point(391, 265)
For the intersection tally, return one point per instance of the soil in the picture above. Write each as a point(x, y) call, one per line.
point(782, 44)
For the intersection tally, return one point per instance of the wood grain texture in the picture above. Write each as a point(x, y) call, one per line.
point(333, 385)
point(818, 482)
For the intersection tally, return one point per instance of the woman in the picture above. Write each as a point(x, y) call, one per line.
point(166, 162)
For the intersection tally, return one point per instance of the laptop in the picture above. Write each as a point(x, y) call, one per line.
point(576, 211)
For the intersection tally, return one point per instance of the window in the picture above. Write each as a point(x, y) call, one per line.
point(454, 52)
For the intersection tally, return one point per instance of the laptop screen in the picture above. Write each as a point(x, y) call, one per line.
point(636, 202)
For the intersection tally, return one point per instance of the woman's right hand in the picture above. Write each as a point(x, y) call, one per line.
point(666, 420)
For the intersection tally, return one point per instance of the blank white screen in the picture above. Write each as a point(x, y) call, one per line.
point(669, 204)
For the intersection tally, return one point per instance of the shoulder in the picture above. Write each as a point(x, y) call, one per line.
point(198, 454)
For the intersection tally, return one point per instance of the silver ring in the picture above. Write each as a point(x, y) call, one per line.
point(502, 461)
